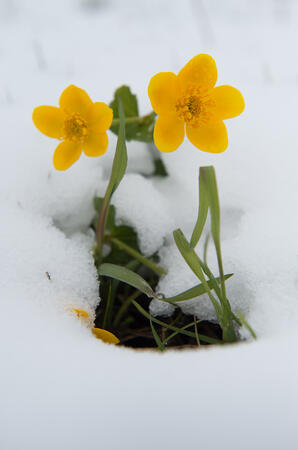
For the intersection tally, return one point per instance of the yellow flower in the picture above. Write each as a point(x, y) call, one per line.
point(190, 100)
point(99, 333)
point(78, 122)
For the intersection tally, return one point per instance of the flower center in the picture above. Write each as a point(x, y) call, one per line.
point(189, 108)
point(75, 128)
point(195, 106)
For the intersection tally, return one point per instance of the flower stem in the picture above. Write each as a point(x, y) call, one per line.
point(135, 119)
point(102, 223)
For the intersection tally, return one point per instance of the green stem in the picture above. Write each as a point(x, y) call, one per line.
point(207, 339)
point(135, 119)
point(124, 307)
point(166, 340)
point(138, 256)
point(107, 310)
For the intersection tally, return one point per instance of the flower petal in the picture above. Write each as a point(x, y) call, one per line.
point(99, 116)
point(228, 102)
point(211, 137)
point(49, 120)
point(75, 100)
point(96, 144)
point(163, 92)
point(105, 336)
point(168, 132)
point(81, 312)
point(66, 154)
point(200, 71)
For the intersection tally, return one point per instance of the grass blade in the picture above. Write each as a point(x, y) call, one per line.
point(196, 332)
point(209, 178)
point(167, 339)
point(127, 276)
point(159, 343)
point(120, 158)
point(193, 292)
point(202, 213)
point(192, 259)
point(246, 324)
point(171, 327)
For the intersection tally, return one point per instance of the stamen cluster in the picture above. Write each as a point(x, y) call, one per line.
point(75, 128)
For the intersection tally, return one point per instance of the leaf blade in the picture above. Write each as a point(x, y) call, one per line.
point(120, 158)
point(193, 292)
point(126, 276)
point(202, 212)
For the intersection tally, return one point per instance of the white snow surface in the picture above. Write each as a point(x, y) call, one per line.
point(60, 387)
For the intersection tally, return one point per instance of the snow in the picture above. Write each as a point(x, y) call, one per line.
point(60, 387)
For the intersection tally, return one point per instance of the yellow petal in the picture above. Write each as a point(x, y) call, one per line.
point(99, 116)
point(200, 71)
point(66, 154)
point(163, 92)
point(80, 312)
point(49, 120)
point(75, 100)
point(228, 102)
point(96, 144)
point(211, 137)
point(168, 133)
point(105, 336)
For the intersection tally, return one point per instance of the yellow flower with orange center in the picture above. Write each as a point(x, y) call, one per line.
point(80, 123)
point(190, 101)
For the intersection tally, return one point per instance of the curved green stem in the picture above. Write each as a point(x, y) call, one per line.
point(138, 256)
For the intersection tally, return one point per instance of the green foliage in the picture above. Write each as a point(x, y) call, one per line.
point(159, 168)
point(120, 158)
point(137, 128)
point(209, 201)
point(193, 292)
point(158, 341)
point(127, 276)
point(117, 173)
point(110, 219)
point(131, 279)
point(171, 327)
point(202, 213)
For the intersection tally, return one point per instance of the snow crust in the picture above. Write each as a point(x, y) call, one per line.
point(60, 387)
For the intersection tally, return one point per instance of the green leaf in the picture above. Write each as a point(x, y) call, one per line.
point(145, 127)
point(208, 177)
point(120, 158)
point(130, 105)
point(193, 292)
point(126, 234)
point(159, 168)
point(157, 339)
point(192, 259)
point(203, 210)
point(129, 101)
point(246, 324)
point(118, 255)
point(117, 173)
point(127, 276)
point(137, 128)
